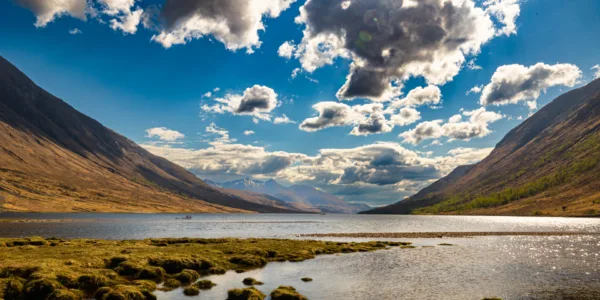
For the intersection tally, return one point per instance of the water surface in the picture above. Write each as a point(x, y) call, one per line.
point(510, 267)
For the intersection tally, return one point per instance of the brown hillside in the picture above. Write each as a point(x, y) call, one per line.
point(55, 159)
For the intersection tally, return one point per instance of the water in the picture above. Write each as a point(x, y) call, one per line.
point(510, 267)
point(136, 226)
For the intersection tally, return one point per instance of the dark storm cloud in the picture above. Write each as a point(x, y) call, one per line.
point(392, 40)
point(330, 114)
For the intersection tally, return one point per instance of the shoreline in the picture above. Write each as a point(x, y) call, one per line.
point(434, 235)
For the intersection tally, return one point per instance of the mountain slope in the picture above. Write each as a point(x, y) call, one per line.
point(53, 158)
point(301, 197)
point(550, 165)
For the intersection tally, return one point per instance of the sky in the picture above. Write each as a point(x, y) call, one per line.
point(370, 100)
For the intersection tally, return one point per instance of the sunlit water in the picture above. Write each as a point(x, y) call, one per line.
point(517, 267)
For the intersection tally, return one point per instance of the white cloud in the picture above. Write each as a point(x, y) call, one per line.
point(512, 84)
point(506, 12)
point(383, 170)
point(207, 95)
point(597, 68)
point(222, 135)
point(391, 41)
point(286, 50)
point(283, 120)
point(455, 128)
point(47, 10)
point(476, 89)
point(234, 23)
point(257, 101)
point(430, 95)
point(249, 132)
point(164, 134)
point(75, 31)
point(128, 22)
point(406, 116)
point(471, 65)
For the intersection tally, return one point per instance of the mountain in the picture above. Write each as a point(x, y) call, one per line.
point(55, 159)
point(548, 165)
point(301, 197)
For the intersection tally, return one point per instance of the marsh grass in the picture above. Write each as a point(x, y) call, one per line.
point(251, 281)
point(52, 268)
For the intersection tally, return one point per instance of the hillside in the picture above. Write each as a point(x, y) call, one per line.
point(302, 197)
point(548, 165)
point(55, 159)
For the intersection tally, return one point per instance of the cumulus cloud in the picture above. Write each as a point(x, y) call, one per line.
point(390, 41)
point(330, 114)
point(286, 50)
point(257, 101)
point(234, 23)
point(383, 170)
point(47, 10)
point(597, 69)
point(506, 12)
point(456, 128)
point(512, 84)
point(283, 120)
point(376, 123)
point(430, 95)
point(220, 135)
point(249, 132)
point(164, 134)
point(406, 116)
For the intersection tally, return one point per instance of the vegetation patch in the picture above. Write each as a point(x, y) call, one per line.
point(191, 291)
point(286, 293)
point(205, 284)
point(306, 279)
point(250, 293)
point(251, 281)
point(100, 269)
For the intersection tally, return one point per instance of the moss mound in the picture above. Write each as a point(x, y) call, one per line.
point(191, 291)
point(20, 271)
point(286, 293)
point(306, 279)
point(176, 265)
point(65, 295)
point(14, 288)
point(205, 284)
point(92, 282)
point(251, 281)
point(147, 285)
point(171, 284)
point(41, 288)
point(187, 276)
point(248, 261)
point(123, 292)
point(151, 273)
point(250, 293)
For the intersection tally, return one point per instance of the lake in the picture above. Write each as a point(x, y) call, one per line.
point(509, 267)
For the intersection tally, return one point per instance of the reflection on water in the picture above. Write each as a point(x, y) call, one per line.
point(132, 226)
point(515, 267)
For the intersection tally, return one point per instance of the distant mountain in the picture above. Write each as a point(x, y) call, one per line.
point(55, 159)
point(299, 196)
point(548, 165)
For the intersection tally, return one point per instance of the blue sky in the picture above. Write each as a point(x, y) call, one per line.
point(131, 84)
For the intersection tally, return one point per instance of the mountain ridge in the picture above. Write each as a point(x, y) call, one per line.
point(303, 197)
point(548, 165)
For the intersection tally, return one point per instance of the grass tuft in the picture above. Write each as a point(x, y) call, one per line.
point(286, 293)
point(250, 293)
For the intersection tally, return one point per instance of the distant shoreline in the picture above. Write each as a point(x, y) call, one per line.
point(432, 235)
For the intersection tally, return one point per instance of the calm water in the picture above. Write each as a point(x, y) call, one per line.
point(529, 267)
